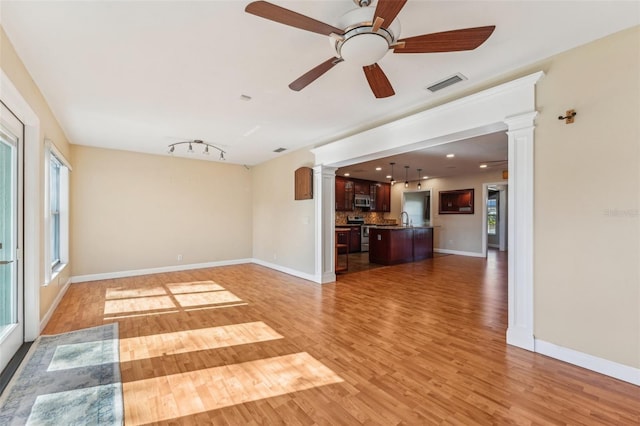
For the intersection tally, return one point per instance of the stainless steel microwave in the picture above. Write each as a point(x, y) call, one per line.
point(362, 201)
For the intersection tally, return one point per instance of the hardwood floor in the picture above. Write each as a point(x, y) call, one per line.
point(411, 344)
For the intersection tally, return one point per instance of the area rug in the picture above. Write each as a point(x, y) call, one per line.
point(67, 379)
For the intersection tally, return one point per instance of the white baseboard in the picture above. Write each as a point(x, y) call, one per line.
point(54, 305)
point(521, 337)
point(458, 252)
point(175, 268)
point(289, 271)
point(590, 362)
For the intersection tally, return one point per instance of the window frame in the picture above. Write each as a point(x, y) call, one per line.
point(56, 215)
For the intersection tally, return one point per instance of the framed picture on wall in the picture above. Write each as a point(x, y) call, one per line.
point(458, 201)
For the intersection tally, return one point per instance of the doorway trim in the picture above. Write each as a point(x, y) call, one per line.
point(509, 106)
point(501, 215)
point(20, 107)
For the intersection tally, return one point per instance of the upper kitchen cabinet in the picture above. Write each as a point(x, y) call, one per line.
point(380, 197)
point(362, 187)
point(344, 194)
point(378, 192)
point(303, 189)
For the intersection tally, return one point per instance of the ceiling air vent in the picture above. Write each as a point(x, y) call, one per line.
point(279, 149)
point(456, 78)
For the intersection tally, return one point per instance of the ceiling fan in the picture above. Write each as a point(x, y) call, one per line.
point(363, 38)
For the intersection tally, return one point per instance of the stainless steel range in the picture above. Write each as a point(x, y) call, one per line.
point(364, 231)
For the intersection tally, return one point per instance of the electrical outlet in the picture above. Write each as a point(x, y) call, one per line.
point(179, 258)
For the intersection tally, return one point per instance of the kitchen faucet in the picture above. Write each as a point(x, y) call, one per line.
point(401, 218)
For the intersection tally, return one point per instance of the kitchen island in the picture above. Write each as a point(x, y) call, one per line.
point(391, 245)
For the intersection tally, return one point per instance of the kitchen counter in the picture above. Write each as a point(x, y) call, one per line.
point(391, 245)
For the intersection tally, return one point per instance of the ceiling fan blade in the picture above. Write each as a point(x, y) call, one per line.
point(447, 41)
point(284, 16)
point(311, 76)
point(388, 10)
point(378, 81)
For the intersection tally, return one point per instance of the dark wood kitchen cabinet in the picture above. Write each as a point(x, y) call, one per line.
point(355, 246)
point(422, 243)
point(343, 240)
point(393, 245)
point(344, 194)
point(361, 187)
point(342, 249)
point(381, 197)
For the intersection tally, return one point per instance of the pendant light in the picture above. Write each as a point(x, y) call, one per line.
point(419, 184)
point(406, 176)
point(393, 181)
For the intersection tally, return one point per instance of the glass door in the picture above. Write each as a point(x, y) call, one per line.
point(11, 273)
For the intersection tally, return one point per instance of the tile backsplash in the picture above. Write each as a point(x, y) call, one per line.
point(369, 217)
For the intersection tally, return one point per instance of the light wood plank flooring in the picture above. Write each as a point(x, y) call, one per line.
point(412, 344)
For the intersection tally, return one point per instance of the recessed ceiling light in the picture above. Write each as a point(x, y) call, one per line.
point(378, 169)
point(450, 155)
point(425, 177)
point(483, 166)
point(389, 176)
point(347, 174)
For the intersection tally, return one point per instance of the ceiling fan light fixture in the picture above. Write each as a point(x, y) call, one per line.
point(360, 45)
point(362, 49)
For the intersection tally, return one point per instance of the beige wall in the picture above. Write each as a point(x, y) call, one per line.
point(15, 70)
point(283, 228)
point(452, 232)
point(587, 200)
point(132, 211)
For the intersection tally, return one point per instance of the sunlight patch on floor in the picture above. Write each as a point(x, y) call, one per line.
point(209, 298)
point(128, 293)
point(158, 345)
point(169, 298)
point(138, 304)
point(185, 394)
point(194, 287)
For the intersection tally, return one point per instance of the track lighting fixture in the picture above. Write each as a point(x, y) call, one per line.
point(172, 147)
point(406, 176)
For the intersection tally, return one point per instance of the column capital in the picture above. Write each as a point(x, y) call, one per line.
point(523, 121)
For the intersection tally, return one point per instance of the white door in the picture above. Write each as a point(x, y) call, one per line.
point(11, 270)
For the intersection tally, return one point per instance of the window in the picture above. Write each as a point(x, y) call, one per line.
point(56, 212)
point(492, 215)
point(54, 206)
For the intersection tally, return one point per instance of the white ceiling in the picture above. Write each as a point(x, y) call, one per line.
point(138, 75)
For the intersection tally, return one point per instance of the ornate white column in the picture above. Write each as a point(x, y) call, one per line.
point(324, 184)
point(520, 229)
